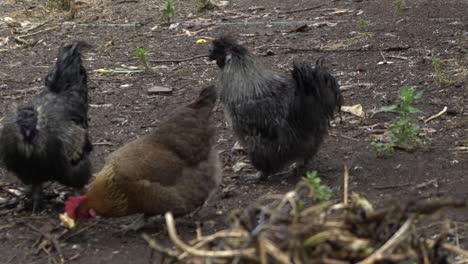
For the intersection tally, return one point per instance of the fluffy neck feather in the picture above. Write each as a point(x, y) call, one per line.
point(245, 78)
point(105, 196)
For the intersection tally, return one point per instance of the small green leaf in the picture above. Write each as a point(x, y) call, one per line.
point(388, 108)
point(418, 94)
point(413, 110)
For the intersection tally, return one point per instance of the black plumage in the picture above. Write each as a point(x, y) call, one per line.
point(279, 119)
point(47, 138)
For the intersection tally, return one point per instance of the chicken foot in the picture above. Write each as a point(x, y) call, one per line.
point(261, 176)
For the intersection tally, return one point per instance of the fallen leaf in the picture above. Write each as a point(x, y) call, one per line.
point(101, 71)
point(240, 165)
point(220, 3)
point(109, 44)
point(159, 90)
point(237, 146)
point(384, 62)
point(15, 192)
point(354, 109)
point(201, 41)
point(66, 221)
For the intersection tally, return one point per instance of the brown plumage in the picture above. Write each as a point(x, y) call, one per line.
point(173, 168)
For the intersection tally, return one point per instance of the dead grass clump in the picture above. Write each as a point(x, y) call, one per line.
point(286, 229)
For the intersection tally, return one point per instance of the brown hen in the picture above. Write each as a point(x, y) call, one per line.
point(173, 168)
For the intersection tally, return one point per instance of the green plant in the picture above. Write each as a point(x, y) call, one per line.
point(438, 71)
point(203, 5)
point(400, 4)
point(363, 23)
point(402, 133)
point(168, 11)
point(321, 192)
point(142, 56)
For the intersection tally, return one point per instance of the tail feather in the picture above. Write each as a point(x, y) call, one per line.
point(207, 98)
point(68, 71)
point(320, 84)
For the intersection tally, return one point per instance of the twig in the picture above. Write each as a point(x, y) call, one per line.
point(105, 143)
point(152, 244)
point(359, 49)
point(80, 231)
point(346, 185)
point(38, 32)
point(35, 27)
point(436, 115)
point(135, 24)
point(50, 238)
point(355, 85)
point(7, 226)
point(150, 125)
point(400, 235)
point(274, 251)
point(180, 60)
point(207, 239)
point(202, 253)
point(301, 10)
point(11, 259)
point(450, 247)
point(391, 186)
point(350, 138)
point(383, 57)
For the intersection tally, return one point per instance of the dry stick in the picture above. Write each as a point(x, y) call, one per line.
point(451, 248)
point(38, 32)
point(400, 235)
point(301, 10)
point(436, 115)
point(334, 261)
point(103, 144)
point(346, 184)
point(392, 186)
point(35, 27)
point(202, 253)
point(80, 231)
point(360, 49)
point(350, 138)
point(207, 239)
point(274, 251)
point(152, 243)
point(50, 238)
point(180, 60)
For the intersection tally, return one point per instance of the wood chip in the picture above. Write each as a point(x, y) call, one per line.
point(159, 90)
point(354, 109)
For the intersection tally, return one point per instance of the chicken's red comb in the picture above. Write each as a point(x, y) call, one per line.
point(72, 204)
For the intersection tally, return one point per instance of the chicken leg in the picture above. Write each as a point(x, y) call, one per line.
point(261, 176)
point(36, 195)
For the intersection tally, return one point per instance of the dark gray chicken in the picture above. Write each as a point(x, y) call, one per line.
point(278, 119)
point(47, 139)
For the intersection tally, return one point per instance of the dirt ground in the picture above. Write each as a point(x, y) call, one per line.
point(354, 36)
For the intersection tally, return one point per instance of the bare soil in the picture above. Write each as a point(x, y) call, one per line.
point(122, 109)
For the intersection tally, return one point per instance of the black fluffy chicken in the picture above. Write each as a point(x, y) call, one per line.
point(47, 138)
point(278, 119)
